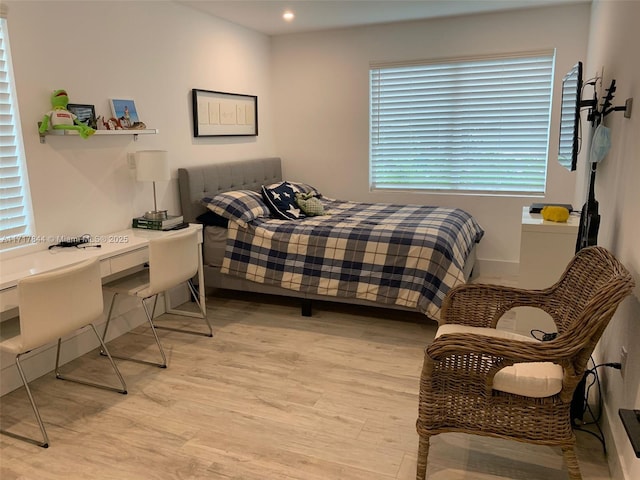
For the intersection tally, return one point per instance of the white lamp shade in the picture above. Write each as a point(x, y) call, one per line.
point(152, 166)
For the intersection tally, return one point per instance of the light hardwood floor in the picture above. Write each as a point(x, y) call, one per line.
point(272, 396)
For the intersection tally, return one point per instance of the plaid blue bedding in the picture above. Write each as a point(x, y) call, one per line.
point(408, 255)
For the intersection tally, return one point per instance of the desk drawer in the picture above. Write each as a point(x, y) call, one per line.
point(129, 260)
point(8, 299)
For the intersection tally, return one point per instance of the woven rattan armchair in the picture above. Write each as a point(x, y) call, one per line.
point(457, 389)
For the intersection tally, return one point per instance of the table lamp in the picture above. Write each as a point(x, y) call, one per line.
point(153, 166)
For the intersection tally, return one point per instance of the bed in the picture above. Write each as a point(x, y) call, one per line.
point(394, 256)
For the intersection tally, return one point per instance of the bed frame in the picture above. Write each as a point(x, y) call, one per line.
point(195, 183)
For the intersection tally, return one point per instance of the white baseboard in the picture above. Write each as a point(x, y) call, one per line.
point(617, 468)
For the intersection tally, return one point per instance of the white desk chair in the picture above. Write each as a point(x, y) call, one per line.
point(173, 260)
point(52, 305)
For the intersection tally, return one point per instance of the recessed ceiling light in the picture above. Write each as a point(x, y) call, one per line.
point(288, 16)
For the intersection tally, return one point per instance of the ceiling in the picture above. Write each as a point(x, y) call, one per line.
point(266, 15)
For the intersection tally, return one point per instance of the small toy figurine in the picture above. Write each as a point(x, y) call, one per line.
point(114, 124)
point(62, 119)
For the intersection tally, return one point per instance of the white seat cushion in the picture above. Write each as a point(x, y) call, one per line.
point(532, 379)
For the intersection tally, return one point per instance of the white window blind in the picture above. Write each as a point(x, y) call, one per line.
point(15, 215)
point(462, 126)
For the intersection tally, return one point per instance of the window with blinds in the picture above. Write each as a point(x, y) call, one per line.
point(463, 126)
point(15, 214)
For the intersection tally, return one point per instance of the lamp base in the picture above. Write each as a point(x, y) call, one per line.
point(156, 215)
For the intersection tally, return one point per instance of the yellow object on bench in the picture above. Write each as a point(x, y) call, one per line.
point(555, 214)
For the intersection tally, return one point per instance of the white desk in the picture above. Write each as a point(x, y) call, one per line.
point(119, 252)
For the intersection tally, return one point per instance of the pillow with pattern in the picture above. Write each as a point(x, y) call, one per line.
point(305, 188)
point(281, 200)
point(300, 187)
point(240, 206)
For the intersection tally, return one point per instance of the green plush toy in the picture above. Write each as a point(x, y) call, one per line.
point(62, 119)
point(309, 204)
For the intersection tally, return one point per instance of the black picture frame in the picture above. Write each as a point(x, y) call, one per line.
point(223, 114)
point(85, 113)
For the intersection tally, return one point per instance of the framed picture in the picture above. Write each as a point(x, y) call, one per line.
point(85, 113)
point(217, 114)
point(125, 111)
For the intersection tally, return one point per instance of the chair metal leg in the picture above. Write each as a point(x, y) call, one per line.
point(106, 326)
point(103, 352)
point(202, 314)
point(103, 348)
point(155, 304)
point(153, 330)
point(45, 442)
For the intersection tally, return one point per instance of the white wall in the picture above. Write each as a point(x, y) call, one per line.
point(153, 52)
point(613, 44)
point(321, 103)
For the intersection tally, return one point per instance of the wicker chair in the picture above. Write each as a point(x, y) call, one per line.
point(457, 389)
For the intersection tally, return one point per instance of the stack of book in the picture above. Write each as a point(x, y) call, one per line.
point(170, 223)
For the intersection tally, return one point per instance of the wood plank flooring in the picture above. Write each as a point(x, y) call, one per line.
point(272, 396)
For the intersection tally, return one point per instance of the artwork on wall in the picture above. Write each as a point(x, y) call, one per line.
point(125, 112)
point(218, 114)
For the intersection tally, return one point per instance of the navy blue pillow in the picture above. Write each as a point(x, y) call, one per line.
point(281, 201)
point(212, 219)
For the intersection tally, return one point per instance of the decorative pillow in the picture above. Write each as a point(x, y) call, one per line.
point(212, 219)
point(309, 204)
point(281, 200)
point(240, 206)
point(299, 187)
point(305, 188)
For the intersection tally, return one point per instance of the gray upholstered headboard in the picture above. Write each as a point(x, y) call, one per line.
point(195, 183)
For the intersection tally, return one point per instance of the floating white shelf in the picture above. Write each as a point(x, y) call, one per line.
point(73, 133)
